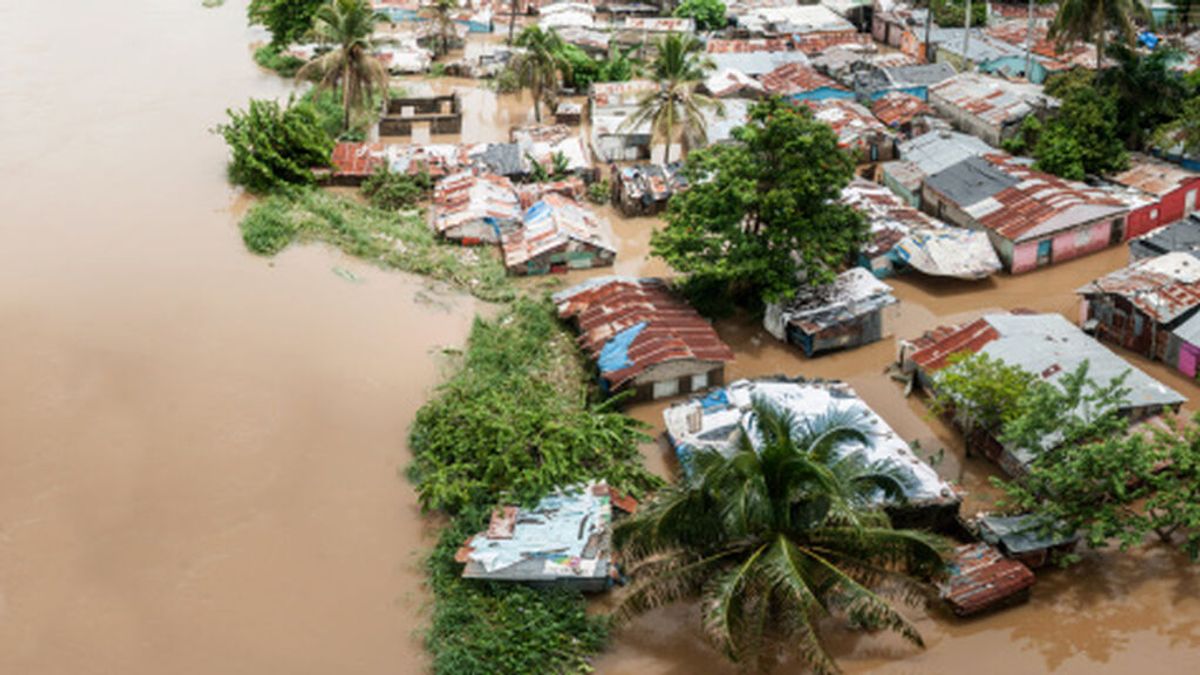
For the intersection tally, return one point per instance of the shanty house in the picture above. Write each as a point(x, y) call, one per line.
point(925, 155)
point(981, 579)
point(730, 83)
point(903, 237)
point(988, 107)
point(856, 128)
point(471, 209)
point(557, 234)
point(903, 113)
point(1162, 193)
point(717, 422)
point(802, 83)
point(1139, 306)
point(1034, 219)
point(563, 541)
point(645, 189)
point(1182, 235)
point(914, 80)
point(847, 313)
point(1046, 345)
point(752, 57)
point(643, 337)
point(612, 104)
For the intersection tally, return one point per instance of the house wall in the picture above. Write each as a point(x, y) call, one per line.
point(862, 330)
point(682, 373)
point(474, 233)
point(966, 122)
point(1065, 245)
point(1183, 356)
point(1172, 207)
point(910, 197)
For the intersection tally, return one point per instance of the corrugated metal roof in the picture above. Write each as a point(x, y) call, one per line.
point(1164, 288)
point(1154, 176)
point(896, 108)
point(464, 197)
point(996, 101)
point(982, 578)
point(855, 293)
point(853, 124)
point(795, 78)
point(552, 224)
point(890, 218)
point(1182, 235)
point(937, 150)
point(970, 181)
point(730, 82)
point(604, 307)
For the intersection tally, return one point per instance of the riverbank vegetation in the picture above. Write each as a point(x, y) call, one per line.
point(518, 418)
point(393, 240)
point(275, 146)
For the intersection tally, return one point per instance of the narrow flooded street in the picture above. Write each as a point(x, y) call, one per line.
point(200, 449)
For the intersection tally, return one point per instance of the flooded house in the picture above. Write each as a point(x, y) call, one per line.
point(645, 189)
point(402, 54)
point(474, 209)
point(612, 104)
point(988, 107)
point(1158, 193)
point(857, 129)
point(1140, 307)
point(552, 146)
point(1027, 538)
point(643, 337)
point(926, 154)
point(1182, 235)
point(439, 114)
point(719, 420)
point(557, 233)
point(981, 579)
point(564, 541)
point(1034, 219)
point(1046, 345)
point(799, 82)
point(846, 313)
point(903, 237)
point(904, 114)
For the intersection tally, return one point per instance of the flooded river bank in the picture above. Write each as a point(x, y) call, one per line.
point(199, 449)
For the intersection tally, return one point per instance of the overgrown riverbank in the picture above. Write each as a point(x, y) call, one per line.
point(517, 418)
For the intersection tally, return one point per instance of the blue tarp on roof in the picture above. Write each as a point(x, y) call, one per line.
point(615, 353)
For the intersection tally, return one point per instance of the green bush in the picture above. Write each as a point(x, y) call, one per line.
point(506, 81)
point(393, 191)
point(600, 192)
point(388, 239)
point(953, 13)
point(272, 58)
point(708, 14)
point(275, 146)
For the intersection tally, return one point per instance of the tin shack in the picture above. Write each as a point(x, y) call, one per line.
point(847, 313)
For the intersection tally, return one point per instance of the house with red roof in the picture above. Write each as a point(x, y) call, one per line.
point(643, 337)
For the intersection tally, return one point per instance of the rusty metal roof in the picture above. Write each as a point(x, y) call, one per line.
point(1164, 288)
point(464, 198)
point(854, 125)
point(934, 348)
point(981, 578)
point(1154, 176)
point(796, 78)
point(607, 307)
point(897, 108)
point(991, 99)
point(552, 224)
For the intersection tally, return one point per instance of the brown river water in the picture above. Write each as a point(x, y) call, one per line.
point(199, 449)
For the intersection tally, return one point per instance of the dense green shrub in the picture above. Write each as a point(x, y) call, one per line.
point(708, 14)
point(391, 191)
point(272, 58)
point(600, 192)
point(287, 20)
point(953, 13)
point(391, 240)
point(274, 146)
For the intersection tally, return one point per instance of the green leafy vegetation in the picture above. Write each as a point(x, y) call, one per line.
point(541, 66)
point(391, 240)
point(776, 540)
point(272, 57)
point(980, 392)
point(680, 66)
point(600, 192)
point(708, 14)
point(1092, 20)
point(350, 66)
point(286, 20)
point(953, 13)
point(763, 209)
point(393, 191)
point(275, 146)
point(1083, 138)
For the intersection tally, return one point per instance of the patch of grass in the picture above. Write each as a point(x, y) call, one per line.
point(272, 58)
point(394, 241)
point(392, 191)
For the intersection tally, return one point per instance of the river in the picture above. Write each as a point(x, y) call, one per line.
point(199, 448)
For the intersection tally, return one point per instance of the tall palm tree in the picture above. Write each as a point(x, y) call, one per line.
point(1090, 21)
point(441, 13)
point(782, 533)
point(347, 24)
point(678, 69)
point(540, 66)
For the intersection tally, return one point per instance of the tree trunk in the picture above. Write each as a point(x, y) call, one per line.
point(512, 21)
point(1100, 50)
point(346, 97)
point(537, 104)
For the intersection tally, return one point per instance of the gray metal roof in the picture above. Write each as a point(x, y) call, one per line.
point(1180, 236)
point(937, 150)
point(970, 181)
point(756, 63)
point(923, 74)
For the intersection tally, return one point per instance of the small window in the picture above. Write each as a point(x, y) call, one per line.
point(1153, 214)
point(666, 388)
point(699, 382)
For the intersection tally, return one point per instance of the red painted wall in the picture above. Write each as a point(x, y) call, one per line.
point(1170, 209)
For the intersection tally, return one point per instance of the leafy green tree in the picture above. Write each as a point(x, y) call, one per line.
point(763, 210)
point(1082, 138)
point(1026, 137)
point(348, 25)
point(1146, 90)
point(286, 20)
point(708, 14)
point(1058, 152)
point(775, 540)
point(980, 392)
point(1183, 131)
point(540, 65)
point(274, 146)
point(441, 13)
point(678, 69)
point(1091, 20)
point(953, 13)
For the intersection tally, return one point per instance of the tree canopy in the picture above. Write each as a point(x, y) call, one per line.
point(708, 14)
point(274, 146)
point(286, 20)
point(761, 218)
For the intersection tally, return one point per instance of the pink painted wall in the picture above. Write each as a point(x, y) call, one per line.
point(1024, 257)
point(1066, 245)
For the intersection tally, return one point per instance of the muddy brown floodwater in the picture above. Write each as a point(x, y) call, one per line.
point(199, 449)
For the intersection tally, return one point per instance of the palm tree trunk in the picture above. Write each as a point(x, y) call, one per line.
point(346, 96)
point(512, 21)
point(537, 103)
point(667, 150)
point(1100, 50)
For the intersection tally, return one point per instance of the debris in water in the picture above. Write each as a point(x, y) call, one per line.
point(347, 275)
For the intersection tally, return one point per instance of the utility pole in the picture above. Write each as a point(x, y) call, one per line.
point(967, 38)
point(928, 23)
point(1029, 46)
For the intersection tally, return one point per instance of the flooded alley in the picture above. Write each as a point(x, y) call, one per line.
point(201, 450)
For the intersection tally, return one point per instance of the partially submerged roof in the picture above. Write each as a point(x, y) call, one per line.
point(1154, 176)
point(1018, 535)
point(1182, 235)
point(981, 579)
point(1163, 288)
point(718, 420)
point(551, 224)
point(629, 325)
point(464, 197)
point(854, 294)
point(889, 218)
point(1046, 345)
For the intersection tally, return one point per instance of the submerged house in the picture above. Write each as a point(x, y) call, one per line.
point(1046, 345)
point(1034, 219)
point(982, 579)
point(643, 337)
point(645, 189)
point(847, 313)
point(557, 234)
point(856, 128)
point(440, 114)
point(1028, 538)
point(988, 107)
point(564, 541)
point(719, 420)
point(471, 209)
point(903, 237)
point(1139, 307)
point(1158, 192)
point(612, 103)
point(1182, 235)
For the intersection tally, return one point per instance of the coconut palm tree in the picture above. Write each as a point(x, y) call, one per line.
point(1090, 21)
point(675, 105)
point(540, 66)
point(441, 13)
point(783, 533)
point(347, 25)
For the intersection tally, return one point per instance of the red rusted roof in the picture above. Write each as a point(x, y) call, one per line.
point(981, 578)
point(722, 46)
point(1154, 176)
point(1163, 288)
point(819, 41)
point(796, 78)
point(357, 159)
point(935, 348)
point(602, 308)
point(897, 108)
